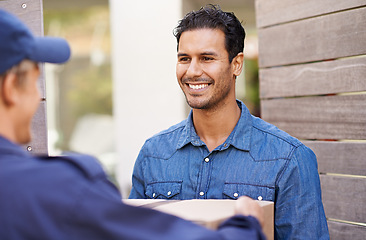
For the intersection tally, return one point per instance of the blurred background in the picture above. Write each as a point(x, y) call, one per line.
point(119, 88)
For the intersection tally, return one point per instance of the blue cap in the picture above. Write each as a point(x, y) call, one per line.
point(17, 43)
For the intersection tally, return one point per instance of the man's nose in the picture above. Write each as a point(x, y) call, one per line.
point(194, 69)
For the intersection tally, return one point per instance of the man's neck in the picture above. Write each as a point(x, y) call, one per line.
point(215, 126)
point(7, 129)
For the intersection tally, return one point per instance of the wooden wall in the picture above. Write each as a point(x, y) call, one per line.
point(312, 60)
point(31, 13)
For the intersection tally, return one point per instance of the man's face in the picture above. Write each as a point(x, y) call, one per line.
point(28, 104)
point(203, 69)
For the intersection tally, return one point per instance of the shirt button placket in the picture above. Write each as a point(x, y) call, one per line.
point(204, 177)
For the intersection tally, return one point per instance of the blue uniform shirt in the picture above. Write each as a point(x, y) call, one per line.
point(257, 160)
point(71, 198)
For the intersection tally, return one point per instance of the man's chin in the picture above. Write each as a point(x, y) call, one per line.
point(196, 105)
point(24, 140)
point(198, 102)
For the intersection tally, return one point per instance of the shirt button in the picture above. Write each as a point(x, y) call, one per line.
point(207, 159)
point(202, 193)
point(225, 145)
point(236, 194)
point(169, 193)
point(154, 195)
point(260, 198)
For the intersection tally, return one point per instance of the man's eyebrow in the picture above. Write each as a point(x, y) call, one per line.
point(201, 54)
point(208, 53)
point(182, 54)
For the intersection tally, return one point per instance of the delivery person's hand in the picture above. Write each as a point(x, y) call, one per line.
point(248, 207)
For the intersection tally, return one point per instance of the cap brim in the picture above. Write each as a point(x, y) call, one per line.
point(51, 50)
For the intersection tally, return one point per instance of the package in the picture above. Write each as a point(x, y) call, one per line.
point(209, 213)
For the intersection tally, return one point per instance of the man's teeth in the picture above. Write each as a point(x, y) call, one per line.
point(198, 86)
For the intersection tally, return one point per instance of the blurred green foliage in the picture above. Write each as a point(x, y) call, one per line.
point(91, 91)
point(252, 86)
point(83, 87)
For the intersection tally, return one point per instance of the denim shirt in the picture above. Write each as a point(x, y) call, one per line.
point(257, 160)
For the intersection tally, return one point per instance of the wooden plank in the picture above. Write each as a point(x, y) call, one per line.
point(344, 231)
point(328, 117)
point(39, 145)
point(343, 75)
point(31, 13)
point(340, 157)
point(271, 12)
point(344, 198)
point(331, 36)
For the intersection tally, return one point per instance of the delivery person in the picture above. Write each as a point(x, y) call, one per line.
point(70, 197)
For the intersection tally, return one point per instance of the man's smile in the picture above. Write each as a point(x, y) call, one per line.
point(198, 86)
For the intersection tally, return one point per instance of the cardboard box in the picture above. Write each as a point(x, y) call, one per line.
point(209, 213)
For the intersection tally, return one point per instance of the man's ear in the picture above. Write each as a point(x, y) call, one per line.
point(237, 64)
point(9, 89)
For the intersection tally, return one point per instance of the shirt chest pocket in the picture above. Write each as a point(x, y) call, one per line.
point(235, 190)
point(164, 190)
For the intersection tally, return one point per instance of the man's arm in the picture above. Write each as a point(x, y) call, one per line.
point(100, 217)
point(247, 207)
point(299, 210)
point(98, 213)
point(138, 182)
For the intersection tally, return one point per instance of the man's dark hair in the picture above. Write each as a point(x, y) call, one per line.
point(211, 16)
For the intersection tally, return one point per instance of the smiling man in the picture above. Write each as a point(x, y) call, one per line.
point(207, 79)
point(221, 150)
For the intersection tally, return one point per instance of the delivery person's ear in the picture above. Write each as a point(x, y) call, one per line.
point(9, 89)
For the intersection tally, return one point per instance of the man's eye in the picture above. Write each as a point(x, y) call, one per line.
point(207, 58)
point(184, 59)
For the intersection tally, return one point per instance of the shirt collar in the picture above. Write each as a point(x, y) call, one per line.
point(240, 137)
point(189, 134)
point(8, 147)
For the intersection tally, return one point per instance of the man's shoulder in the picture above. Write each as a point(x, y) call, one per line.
point(270, 143)
point(271, 131)
point(47, 178)
point(88, 165)
point(27, 182)
point(164, 143)
point(39, 168)
point(174, 129)
point(171, 133)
